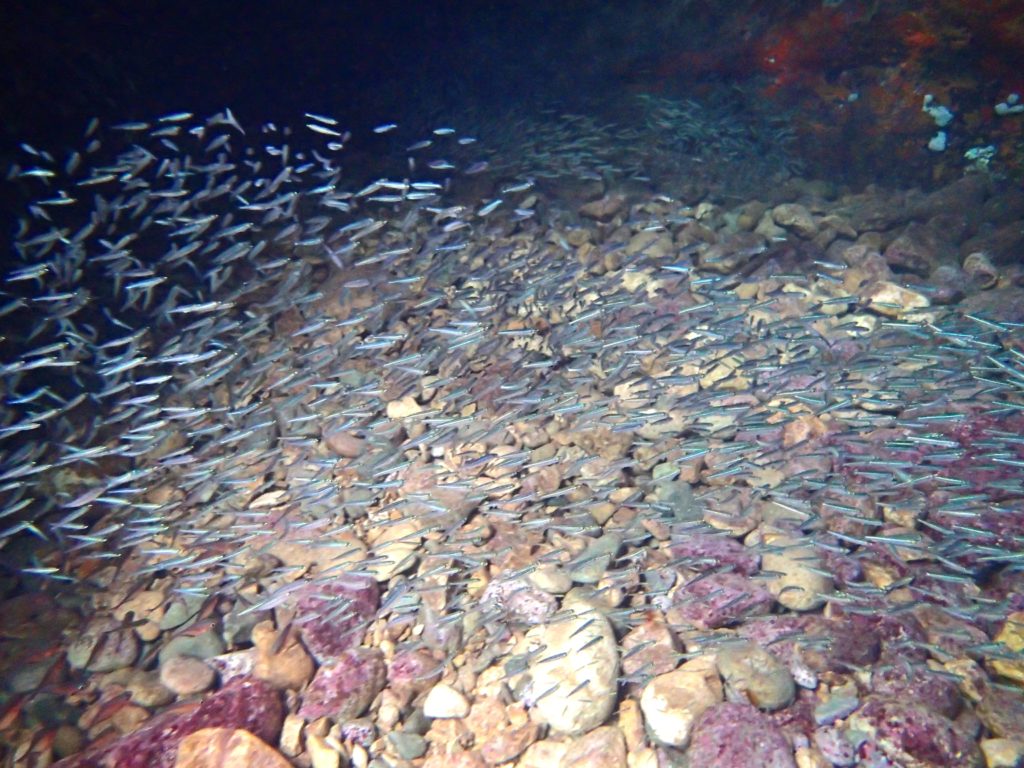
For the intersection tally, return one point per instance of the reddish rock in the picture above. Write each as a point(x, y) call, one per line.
point(245, 704)
point(1003, 245)
point(919, 250)
point(719, 600)
point(910, 733)
point(520, 601)
point(344, 689)
point(705, 552)
point(738, 736)
point(412, 671)
point(333, 616)
point(919, 684)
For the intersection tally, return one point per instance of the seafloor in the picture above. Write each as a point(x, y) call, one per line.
point(556, 452)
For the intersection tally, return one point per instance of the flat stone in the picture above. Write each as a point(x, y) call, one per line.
point(205, 645)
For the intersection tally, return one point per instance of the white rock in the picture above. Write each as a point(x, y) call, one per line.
point(574, 672)
point(445, 701)
point(672, 702)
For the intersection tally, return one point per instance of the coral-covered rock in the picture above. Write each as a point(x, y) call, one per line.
point(920, 684)
point(704, 552)
point(332, 616)
point(1002, 712)
point(412, 671)
point(519, 600)
point(344, 689)
point(738, 736)
point(719, 600)
point(246, 704)
point(913, 735)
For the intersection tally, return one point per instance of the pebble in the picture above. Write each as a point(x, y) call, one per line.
point(893, 300)
point(284, 665)
point(795, 217)
point(344, 444)
point(444, 701)
point(650, 649)
point(321, 754)
point(1002, 753)
point(103, 648)
point(186, 676)
point(603, 747)
point(409, 746)
point(501, 733)
point(1011, 634)
point(671, 703)
point(753, 674)
point(837, 706)
point(551, 579)
point(227, 748)
point(594, 560)
point(800, 584)
point(575, 692)
point(205, 645)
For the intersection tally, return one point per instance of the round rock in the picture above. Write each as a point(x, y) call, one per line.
point(186, 676)
point(752, 674)
point(672, 702)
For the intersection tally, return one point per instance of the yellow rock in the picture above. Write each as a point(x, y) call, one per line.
point(227, 748)
point(1012, 636)
point(1002, 753)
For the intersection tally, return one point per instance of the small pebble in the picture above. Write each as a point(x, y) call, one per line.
point(443, 701)
point(186, 676)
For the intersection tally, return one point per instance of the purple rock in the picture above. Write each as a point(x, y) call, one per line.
point(333, 615)
point(413, 670)
point(704, 552)
point(247, 704)
point(344, 689)
point(910, 732)
point(719, 600)
point(918, 683)
point(519, 601)
point(738, 736)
